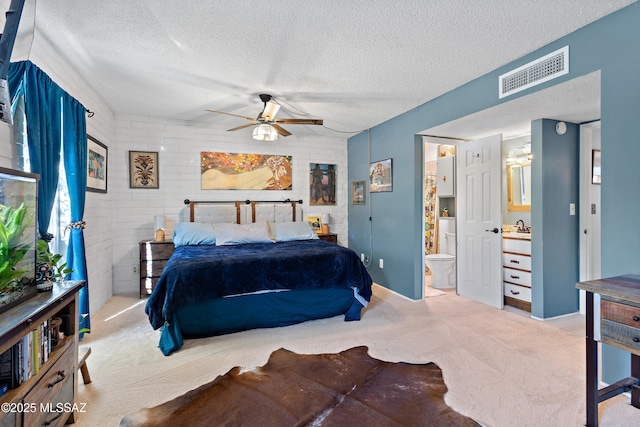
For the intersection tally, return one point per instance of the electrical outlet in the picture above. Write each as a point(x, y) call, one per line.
point(135, 269)
point(381, 263)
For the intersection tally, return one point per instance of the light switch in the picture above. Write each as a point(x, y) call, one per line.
point(572, 208)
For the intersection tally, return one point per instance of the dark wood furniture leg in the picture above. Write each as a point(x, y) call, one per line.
point(592, 366)
point(635, 373)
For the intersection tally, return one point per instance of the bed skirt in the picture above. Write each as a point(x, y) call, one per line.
point(265, 310)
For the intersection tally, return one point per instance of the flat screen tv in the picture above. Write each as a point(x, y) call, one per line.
point(18, 236)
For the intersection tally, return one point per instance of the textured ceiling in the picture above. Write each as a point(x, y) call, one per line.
point(352, 63)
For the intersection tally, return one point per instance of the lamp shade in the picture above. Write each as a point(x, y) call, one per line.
point(265, 132)
point(158, 222)
point(324, 218)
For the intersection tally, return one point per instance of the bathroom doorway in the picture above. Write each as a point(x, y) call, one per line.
point(439, 206)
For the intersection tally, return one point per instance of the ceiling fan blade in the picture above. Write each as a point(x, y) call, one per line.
point(282, 131)
point(299, 121)
point(233, 115)
point(241, 127)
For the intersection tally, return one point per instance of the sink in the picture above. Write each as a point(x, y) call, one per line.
point(516, 235)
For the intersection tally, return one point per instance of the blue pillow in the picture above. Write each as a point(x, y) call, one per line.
point(193, 233)
point(286, 231)
point(236, 234)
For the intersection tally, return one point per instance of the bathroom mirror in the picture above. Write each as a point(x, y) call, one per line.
point(519, 187)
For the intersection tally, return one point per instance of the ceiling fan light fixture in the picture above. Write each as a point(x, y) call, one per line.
point(270, 111)
point(265, 132)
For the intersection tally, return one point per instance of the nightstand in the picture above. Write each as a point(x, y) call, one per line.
point(153, 257)
point(329, 237)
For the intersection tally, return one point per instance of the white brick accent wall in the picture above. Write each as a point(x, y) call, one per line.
point(179, 144)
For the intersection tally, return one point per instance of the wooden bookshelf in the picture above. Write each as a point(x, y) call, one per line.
point(48, 396)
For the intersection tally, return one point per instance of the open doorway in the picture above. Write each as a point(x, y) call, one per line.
point(439, 217)
point(575, 101)
point(590, 180)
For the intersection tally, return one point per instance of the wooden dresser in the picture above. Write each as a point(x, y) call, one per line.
point(153, 257)
point(619, 327)
point(47, 396)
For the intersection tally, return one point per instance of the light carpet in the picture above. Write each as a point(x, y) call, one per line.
point(431, 292)
point(501, 367)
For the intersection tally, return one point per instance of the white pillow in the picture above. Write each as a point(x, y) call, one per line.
point(193, 233)
point(234, 234)
point(286, 231)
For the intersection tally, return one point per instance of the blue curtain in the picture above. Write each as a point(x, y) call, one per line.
point(75, 162)
point(55, 120)
point(43, 113)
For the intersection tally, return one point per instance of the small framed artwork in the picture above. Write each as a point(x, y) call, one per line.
point(322, 190)
point(316, 223)
point(143, 169)
point(381, 176)
point(358, 193)
point(97, 159)
point(596, 168)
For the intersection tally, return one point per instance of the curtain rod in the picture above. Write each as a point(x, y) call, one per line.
point(246, 202)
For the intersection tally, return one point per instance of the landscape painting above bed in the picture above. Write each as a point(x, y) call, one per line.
point(244, 171)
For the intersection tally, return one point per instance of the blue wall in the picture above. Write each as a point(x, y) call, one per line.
point(609, 45)
point(555, 251)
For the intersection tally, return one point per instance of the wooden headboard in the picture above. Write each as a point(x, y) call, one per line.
point(242, 211)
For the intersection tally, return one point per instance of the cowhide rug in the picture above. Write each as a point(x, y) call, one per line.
point(345, 389)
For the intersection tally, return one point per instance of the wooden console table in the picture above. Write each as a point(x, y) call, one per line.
point(620, 327)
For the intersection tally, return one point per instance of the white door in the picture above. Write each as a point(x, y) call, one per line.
point(479, 220)
point(589, 207)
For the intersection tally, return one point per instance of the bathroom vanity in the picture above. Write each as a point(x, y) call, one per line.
point(516, 269)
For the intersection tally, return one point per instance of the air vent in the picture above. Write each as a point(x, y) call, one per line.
point(535, 72)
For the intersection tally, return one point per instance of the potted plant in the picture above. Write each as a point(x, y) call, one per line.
point(13, 222)
point(48, 267)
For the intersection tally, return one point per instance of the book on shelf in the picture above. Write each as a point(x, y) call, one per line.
point(24, 359)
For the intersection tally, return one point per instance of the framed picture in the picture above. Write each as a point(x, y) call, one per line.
point(322, 188)
point(245, 171)
point(143, 169)
point(596, 168)
point(96, 165)
point(358, 193)
point(316, 223)
point(381, 176)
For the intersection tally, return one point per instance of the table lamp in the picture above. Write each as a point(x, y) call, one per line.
point(158, 221)
point(325, 223)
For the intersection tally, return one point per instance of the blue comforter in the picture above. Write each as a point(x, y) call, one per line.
point(197, 273)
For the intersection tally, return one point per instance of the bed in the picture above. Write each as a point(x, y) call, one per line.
point(261, 269)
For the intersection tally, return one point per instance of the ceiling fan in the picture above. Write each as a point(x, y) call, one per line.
point(267, 127)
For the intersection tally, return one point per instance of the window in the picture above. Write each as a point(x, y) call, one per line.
point(61, 211)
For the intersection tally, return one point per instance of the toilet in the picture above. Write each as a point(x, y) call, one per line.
point(443, 266)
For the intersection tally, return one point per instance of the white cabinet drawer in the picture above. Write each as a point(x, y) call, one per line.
point(519, 246)
point(522, 262)
point(518, 292)
point(516, 276)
